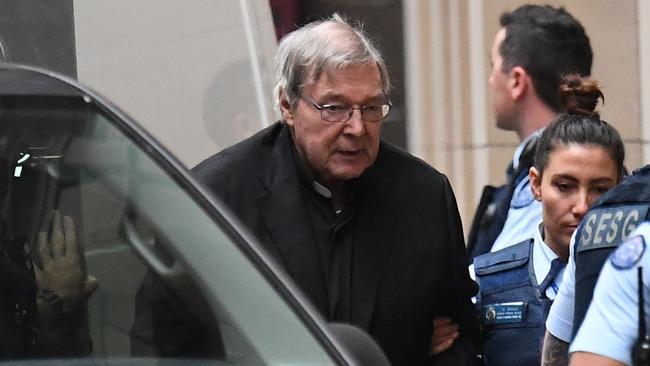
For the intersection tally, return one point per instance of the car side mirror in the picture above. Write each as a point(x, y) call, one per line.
point(358, 345)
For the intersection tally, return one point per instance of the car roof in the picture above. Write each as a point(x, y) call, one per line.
point(27, 81)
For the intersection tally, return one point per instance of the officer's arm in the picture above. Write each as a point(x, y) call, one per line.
point(592, 359)
point(555, 352)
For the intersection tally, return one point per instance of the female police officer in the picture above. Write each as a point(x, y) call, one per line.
point(578, 158)
point(611, 333)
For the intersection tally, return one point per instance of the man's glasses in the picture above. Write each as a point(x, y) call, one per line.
point(341, 113)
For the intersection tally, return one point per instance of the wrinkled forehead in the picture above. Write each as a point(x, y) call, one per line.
point(334, 73)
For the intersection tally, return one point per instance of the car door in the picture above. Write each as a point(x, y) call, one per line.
point(178, 280)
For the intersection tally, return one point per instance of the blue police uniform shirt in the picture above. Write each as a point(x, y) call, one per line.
point(524, 212)
point(610, 327)
point(542, 258)
point(560, 319)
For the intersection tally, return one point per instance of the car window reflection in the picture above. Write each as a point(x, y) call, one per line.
point(74, 199)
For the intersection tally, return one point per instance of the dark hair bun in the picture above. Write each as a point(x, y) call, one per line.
point(579, 95)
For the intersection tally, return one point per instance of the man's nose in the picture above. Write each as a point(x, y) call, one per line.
point(355, 124)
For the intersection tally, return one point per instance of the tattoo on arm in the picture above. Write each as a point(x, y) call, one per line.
point(555, 352)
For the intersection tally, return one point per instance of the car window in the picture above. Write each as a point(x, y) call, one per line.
point(172, 281)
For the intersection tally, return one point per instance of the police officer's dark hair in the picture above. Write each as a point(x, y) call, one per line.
point(580, 123)
point(547, 42)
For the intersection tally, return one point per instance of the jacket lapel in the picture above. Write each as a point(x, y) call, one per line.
point(372, 242)
point(283, 210)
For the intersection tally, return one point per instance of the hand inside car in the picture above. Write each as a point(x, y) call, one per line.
point(58, 268)
point(444, 333)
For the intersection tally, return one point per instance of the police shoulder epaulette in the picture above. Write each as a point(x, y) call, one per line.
point(505, 259)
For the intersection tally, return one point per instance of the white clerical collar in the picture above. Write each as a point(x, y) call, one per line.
point(321, 189)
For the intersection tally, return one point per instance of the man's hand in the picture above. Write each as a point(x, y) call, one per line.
point(58, 265)
point(444, 334)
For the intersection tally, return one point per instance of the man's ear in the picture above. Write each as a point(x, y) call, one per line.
point(535, 183)
point(519, 82)
point(285, 107)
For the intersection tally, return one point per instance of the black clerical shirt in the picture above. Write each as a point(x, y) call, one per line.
point(333, 234)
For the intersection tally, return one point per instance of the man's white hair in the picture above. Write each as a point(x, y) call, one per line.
point(322, 46)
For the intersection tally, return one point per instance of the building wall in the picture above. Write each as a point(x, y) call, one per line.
point(197, 77)
point(450, 121)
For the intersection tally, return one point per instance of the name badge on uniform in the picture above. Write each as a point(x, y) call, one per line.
point(507, 312)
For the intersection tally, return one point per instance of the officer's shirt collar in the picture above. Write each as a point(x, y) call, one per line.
point(522, 146)
point(543, 255)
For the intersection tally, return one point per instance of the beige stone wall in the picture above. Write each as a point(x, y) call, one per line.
point(196, 77)
point(450, 121)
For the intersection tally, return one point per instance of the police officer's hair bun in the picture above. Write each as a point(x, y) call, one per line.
point(579, 124)
point(579, 96)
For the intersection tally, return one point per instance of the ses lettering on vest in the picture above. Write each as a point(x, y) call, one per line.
point(609, 226)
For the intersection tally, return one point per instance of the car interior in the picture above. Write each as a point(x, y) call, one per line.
point(59, 153)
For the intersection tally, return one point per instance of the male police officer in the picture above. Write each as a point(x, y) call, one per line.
point(609, 222)
point(611, 327)
point(534, 48)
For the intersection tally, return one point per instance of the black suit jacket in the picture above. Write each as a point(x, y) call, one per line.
point(408, 256)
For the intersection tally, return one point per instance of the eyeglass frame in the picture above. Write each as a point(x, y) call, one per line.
point(321, 107)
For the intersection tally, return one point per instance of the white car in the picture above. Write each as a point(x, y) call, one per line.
point(141, 220)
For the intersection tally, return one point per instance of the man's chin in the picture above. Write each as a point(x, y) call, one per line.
point(343, 175)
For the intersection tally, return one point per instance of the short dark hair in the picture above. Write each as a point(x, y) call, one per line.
point(580, 124)
point(548, 43)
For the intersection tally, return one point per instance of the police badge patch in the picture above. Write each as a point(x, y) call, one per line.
point(629, 253)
